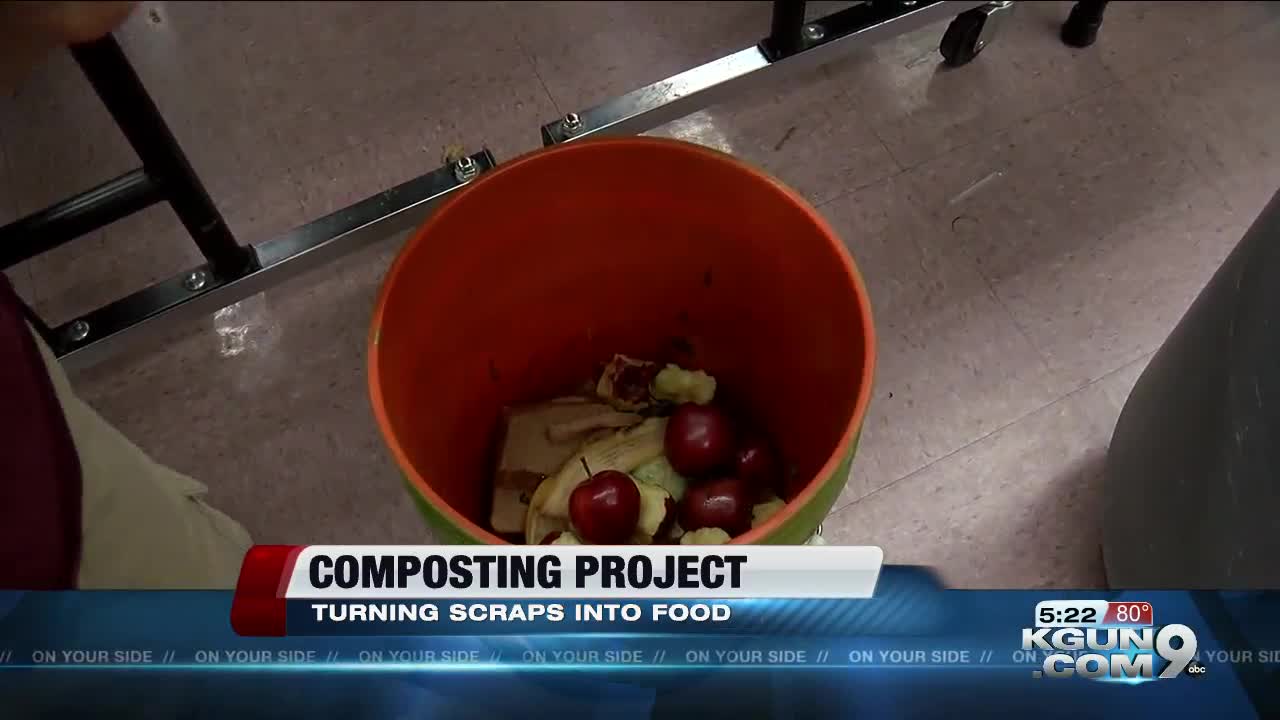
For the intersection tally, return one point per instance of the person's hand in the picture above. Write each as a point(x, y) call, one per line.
point(62, 23)
point(28, 30)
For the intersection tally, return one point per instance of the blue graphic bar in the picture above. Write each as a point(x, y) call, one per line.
point(915, 649)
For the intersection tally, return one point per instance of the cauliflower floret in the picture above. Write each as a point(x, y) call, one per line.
point(705, 536)
point(675, 384)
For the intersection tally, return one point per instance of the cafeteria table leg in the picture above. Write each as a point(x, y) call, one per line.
point(1081, 28)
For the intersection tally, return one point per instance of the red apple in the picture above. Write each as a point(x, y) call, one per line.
point(724, 503)
point(699, 440)
point(605, 508)
point(757, 464)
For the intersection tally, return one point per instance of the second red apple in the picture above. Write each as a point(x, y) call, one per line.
point(698, 440)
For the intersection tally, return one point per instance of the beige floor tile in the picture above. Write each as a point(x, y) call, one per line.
point(805, 131)
point(1137, 36)
point(946, 346)
point(1020, 508)
point(1226, 120)
point(1094, 227)
point(921, 109)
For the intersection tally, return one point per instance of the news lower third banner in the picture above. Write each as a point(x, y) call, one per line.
point(762, 632)
point(397, 590)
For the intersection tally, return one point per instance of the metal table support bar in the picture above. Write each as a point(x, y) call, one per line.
point(199, 291)
point(822, 41)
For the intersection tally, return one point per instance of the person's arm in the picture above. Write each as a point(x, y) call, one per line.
point(40, 474)
point(29, 30)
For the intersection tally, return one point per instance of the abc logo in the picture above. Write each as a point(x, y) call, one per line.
point(1195, 669)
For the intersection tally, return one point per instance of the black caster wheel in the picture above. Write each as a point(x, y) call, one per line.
point(1081, 28)
point(963, 39)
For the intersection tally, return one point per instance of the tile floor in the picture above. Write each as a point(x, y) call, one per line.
point(1031, 226)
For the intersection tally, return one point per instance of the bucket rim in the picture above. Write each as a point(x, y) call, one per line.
point(479, 534)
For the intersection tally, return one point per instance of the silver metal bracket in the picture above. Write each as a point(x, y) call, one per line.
point(200, 291)
point(679, 95)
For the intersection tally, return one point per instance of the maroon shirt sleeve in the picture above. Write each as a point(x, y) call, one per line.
point(40, 481)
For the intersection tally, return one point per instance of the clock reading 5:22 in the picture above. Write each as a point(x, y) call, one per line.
point(1071, 613)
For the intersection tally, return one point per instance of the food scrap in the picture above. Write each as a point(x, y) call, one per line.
point(646, 456)
point(706, 536)
point(634, 385)
point(537, 440)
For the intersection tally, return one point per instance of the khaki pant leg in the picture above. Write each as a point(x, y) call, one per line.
point(144, 526)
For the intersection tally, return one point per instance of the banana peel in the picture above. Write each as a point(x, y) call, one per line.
point(624, 451)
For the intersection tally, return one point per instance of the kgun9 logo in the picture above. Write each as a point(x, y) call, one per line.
point(1114, 653)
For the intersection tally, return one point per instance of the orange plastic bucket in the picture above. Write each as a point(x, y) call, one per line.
point(524, 281)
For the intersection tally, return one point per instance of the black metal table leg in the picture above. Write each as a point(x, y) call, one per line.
point(1081, 28)
point(786, 30)
point(117, 84)
point(44, 230)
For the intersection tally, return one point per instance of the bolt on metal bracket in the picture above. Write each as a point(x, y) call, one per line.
point(195, 280)
point(465, 169)
point(77, 331)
